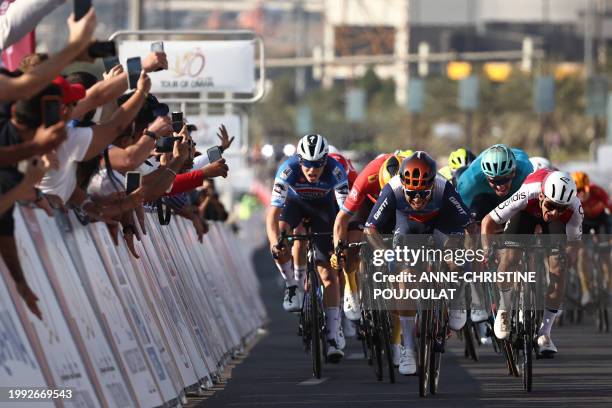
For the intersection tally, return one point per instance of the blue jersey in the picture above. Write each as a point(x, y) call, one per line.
point(473, 183)
point(289, 179)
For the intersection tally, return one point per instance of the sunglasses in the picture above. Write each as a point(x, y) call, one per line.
point(423, 194)
point(313, 164)
point(554, 207)
point(500, 181)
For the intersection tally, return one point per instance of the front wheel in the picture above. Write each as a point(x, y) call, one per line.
point(424, 351)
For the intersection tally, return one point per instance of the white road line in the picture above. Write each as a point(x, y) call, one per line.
point(313, 381)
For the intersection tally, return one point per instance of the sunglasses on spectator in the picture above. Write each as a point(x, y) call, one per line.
point(500, 181)
point(554, 206)
point(313, 164)
point(423, 194)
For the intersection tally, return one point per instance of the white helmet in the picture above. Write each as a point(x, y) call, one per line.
point(559, 187)
point(312, 147)
point(540, 163)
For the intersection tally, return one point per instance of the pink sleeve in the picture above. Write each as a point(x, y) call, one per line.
point(187, 182)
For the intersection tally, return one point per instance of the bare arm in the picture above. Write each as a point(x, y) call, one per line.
point(132, 156)
point(100, 94)
point(341, 226)
point(106, 133)
point(32, 82)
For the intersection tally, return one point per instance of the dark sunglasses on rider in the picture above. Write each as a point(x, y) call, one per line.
point(423, 194)
point(554, 206)
point(500, 181)
point(313, 164)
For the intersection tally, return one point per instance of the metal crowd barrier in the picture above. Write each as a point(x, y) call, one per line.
point(120, 331)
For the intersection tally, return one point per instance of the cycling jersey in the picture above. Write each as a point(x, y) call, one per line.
point(289, 178)
point(475, 190)
point(445, 211)
point(527, 200)
point(366, 186)
point(597, 202)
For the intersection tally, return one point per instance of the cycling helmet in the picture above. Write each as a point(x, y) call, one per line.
point(389, 168)
point(312, 148)
point(498, 160)
point(418, 171)
point(460, 158)
point(559, 187)
point(540, 163)
point(403, 154)
point(582, 180)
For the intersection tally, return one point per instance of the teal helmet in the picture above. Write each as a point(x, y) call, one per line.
point(497, 161)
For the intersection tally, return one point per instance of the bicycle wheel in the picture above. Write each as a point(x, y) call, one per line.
point(424, 350)
point(438, 335)
point(386, 341)
point(377, 346)
point(470, 341)
point(528, 351)
point(316, 348)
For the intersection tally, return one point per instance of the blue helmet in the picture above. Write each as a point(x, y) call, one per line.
point(497, 161)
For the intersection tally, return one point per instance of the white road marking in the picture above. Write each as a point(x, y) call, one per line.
point(314, 381)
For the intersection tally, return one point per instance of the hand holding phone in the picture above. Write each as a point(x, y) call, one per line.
point(132, 181)
point(110, 63)
point(134, 67)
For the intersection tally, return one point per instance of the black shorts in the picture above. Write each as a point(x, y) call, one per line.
point(484, 204)
point(322, 214)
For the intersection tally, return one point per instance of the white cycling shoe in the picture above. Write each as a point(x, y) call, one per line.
point(352, 310)
point(334, 353)
point(502, 324)
point(457, 319)
point(396, 351)
point(407, 363)
point(546, 346)
point(478, 315)
point(348, 327)
point(294, 296)
point(585, 299)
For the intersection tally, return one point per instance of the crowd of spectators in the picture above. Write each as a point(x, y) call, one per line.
point(105, 130)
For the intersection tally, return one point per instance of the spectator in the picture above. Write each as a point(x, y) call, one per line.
point(30, 83)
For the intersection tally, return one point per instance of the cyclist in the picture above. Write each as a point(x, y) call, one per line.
point(547, 198)
point(304, 187)
point(539, 162)
point(420, 202)
point(350, 221)
point(458, 162)
point(597, 206)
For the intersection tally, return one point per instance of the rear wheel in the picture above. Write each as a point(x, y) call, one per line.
point(470, 341)
point(386, 340)
point(377, 345)
point(315, 329)
point(528, 352)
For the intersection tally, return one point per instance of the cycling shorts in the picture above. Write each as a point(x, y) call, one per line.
point(601, 224)
point(321, 213)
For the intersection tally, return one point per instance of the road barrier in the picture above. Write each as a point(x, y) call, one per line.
point(120, 331)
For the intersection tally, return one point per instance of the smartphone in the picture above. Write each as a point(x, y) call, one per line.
point(214, 154)
point(81, 7)
point(102, 49)
point(132, 181)
point(166, 144)
point(110, 63)
point(50, 109)
point(157, 46)
point(177, 121)
point(134, 67)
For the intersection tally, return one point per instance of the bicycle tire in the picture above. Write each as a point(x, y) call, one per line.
point(316, 348)
point(377, 346)
point(435, 361)
point(470, 344)
point(386, 340)
point(424, 351)
point(528, 352)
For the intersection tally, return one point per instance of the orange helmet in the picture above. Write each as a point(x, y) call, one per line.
point(418, 171)
point(582, 180)
point(388, 169)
